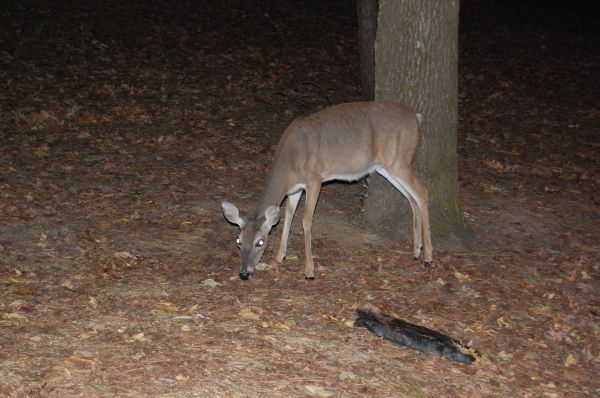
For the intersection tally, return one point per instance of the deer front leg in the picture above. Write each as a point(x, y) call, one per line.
point(312, 195)
point(290, 210)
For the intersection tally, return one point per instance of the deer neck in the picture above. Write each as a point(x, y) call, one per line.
point(277, 185)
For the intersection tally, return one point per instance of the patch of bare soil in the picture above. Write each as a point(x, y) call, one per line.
point(124, 124)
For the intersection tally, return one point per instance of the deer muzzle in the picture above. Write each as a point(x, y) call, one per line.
point(245, 275)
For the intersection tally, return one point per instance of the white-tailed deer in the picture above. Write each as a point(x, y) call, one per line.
point(343, 142)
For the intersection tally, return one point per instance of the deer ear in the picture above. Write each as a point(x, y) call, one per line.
point(232, 214)
point(272, 215)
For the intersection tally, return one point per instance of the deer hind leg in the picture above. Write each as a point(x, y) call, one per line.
point(312, 195)
point(290, 210)
point(405, 181)
point(420, 193)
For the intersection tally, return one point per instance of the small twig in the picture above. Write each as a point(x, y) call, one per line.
point(294, 98)
point(321, 90)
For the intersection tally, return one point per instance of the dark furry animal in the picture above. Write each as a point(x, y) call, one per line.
point(413, 336)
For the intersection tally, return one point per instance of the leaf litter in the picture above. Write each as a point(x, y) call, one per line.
point(124, 129)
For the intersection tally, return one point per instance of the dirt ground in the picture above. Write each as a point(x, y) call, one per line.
point(124, 124)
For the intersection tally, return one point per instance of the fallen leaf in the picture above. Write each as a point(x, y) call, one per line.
point(490, 188)
point(211, 283)
point(585, 275)
point(503, 323)
point(87, 335)
point(247, 313)
point(263, 266)
point(345, 375)
point(141, 337)
point(23, 291)
point(81, 359)
point(571, 360)
point(461, 277)
point(14, 316)
point(123, 255)
point(165, 308)
point(16, 303)
point(333, 318)
point(27, 308)
point(192, 309)
point(527, 285)
point(16, 280)
point(349, 323)
point(287, 325)
point(42, 151)
point(494, 165)
point(68, 284)
point(319, 391)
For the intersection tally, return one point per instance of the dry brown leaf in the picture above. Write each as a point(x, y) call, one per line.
point(503, 323)
point(14, 316)
point(247, 313)
point(141, 337)
point(210, 282)
point(319, 391)
point(571, 360)
point(527, 285)
point(165, 308)
point(192, 309)
point(81, 359)
point(16, 280)
point(123, 255)
point(491, 188)
point(23, 291)
point(93, 302)
point(494, 165)
point(68, 284)
point(461, 277)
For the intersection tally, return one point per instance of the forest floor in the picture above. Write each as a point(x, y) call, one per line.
point(123, 127)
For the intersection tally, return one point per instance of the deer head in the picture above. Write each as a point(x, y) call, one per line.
point(254, 234)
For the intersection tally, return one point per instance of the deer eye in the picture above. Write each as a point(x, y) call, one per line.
point(238, 241)
point(260, 243)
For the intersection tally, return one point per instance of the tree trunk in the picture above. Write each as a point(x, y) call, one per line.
point(416, 62)
point(366, 12)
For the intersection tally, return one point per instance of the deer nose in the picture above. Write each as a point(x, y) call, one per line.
point(245, 275)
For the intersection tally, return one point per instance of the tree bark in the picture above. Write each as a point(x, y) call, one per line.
point(366, 12)
point(416, 62)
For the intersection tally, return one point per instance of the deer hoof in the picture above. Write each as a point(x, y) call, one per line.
point(427, 264)
point(309, 278)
